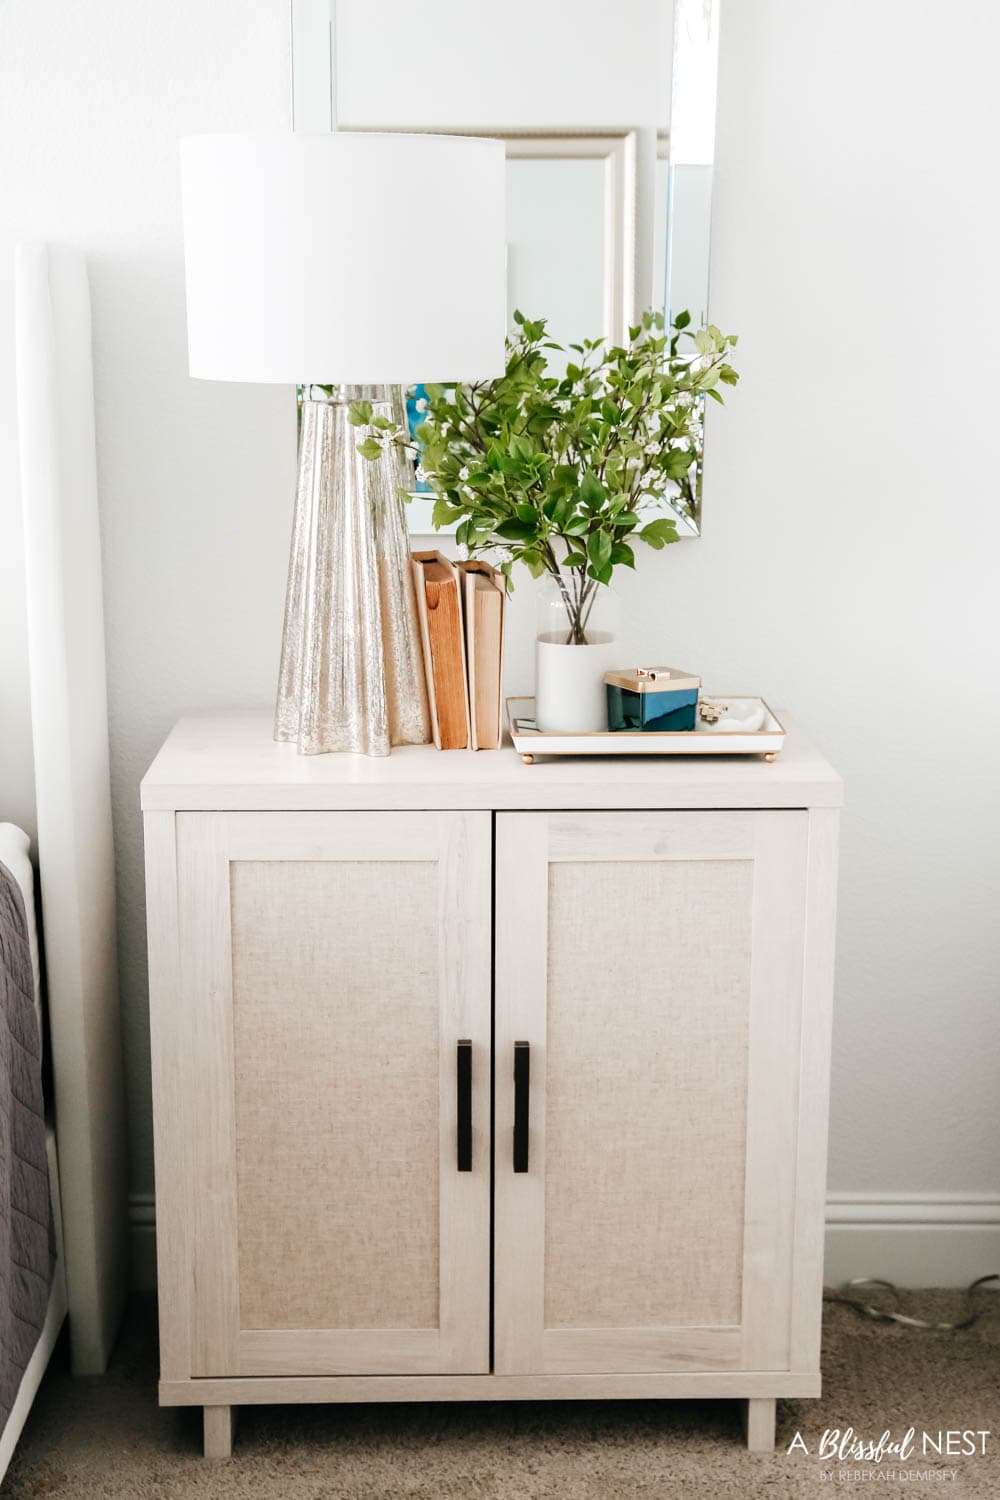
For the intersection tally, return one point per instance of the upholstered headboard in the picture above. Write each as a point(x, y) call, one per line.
point(72, 784)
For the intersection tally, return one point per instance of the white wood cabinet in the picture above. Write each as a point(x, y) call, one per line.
point(419, 1018)
point(330, 966)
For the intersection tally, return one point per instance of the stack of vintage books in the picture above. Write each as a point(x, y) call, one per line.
point(461, 608)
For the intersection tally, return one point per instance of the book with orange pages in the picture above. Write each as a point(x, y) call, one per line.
point(437, 583)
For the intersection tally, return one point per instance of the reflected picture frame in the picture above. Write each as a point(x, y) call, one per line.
point(616, 152)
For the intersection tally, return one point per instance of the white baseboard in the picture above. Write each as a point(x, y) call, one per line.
point(924, 1239)
point(928, 1239)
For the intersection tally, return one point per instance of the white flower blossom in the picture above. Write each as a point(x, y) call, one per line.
point(463, 472)
point(421, 405)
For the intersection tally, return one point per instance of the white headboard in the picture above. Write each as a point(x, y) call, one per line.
point(72, 783)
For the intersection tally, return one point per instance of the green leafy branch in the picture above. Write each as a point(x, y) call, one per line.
point(566, 472)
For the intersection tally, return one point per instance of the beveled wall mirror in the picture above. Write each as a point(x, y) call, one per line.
point(608, 114)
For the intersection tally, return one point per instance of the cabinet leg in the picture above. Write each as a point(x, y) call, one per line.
point(220, 1422)
point(758, 1424)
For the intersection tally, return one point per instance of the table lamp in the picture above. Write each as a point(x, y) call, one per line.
point(349, 264)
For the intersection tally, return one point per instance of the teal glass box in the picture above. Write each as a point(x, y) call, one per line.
point(654, 700)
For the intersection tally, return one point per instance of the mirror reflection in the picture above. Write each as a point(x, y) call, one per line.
point(608, 115)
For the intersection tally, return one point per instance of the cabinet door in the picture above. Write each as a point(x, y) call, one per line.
point(335, 976)
point(653, 964)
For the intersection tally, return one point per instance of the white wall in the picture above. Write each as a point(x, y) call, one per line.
point(848, 564)
point(849, 561)
point(195, 478)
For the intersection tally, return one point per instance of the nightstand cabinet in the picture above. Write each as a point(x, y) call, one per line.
point(474, 1081)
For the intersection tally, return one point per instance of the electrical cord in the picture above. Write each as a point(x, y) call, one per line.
point(888, 1315)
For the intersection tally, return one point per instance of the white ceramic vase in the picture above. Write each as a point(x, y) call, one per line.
point(570, 696)
point(574, 647)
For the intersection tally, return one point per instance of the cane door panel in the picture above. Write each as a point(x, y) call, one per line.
point(331, 964)
point(652, 963)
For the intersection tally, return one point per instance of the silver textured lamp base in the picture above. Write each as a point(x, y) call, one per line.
point(352, 671)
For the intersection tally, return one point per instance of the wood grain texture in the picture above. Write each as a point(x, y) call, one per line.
point(669, 963)
point(521, 941)
point(341, 1351)
point(465, 985)
point(758, 1424)
point(229, 760)
point(814, 1088)
point(647, 1350)
point(171, 1141)
point(207, 1016)
point(681, 1386)
point(334, 961)
point(220, 1426)
point(773, 1086)
point(655, 974)
point(609, 838)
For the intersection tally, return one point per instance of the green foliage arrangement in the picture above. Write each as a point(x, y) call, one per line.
point(563, 472)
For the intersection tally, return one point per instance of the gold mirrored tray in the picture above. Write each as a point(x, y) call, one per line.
point(705, 739)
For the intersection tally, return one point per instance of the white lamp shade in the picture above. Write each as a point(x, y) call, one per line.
point(349, 257)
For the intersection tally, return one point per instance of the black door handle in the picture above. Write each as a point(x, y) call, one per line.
point(522, 1085)
point(463, 1075)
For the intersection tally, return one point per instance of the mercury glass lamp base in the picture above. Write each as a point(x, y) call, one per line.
point(352, 671)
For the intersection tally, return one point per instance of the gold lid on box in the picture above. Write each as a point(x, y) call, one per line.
point(652, 679)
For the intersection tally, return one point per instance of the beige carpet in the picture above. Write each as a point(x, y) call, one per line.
point(106, 1438)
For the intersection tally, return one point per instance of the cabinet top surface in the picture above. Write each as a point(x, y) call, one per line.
point(228, 760)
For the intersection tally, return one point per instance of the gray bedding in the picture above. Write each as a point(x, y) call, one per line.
point(27, 1234)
